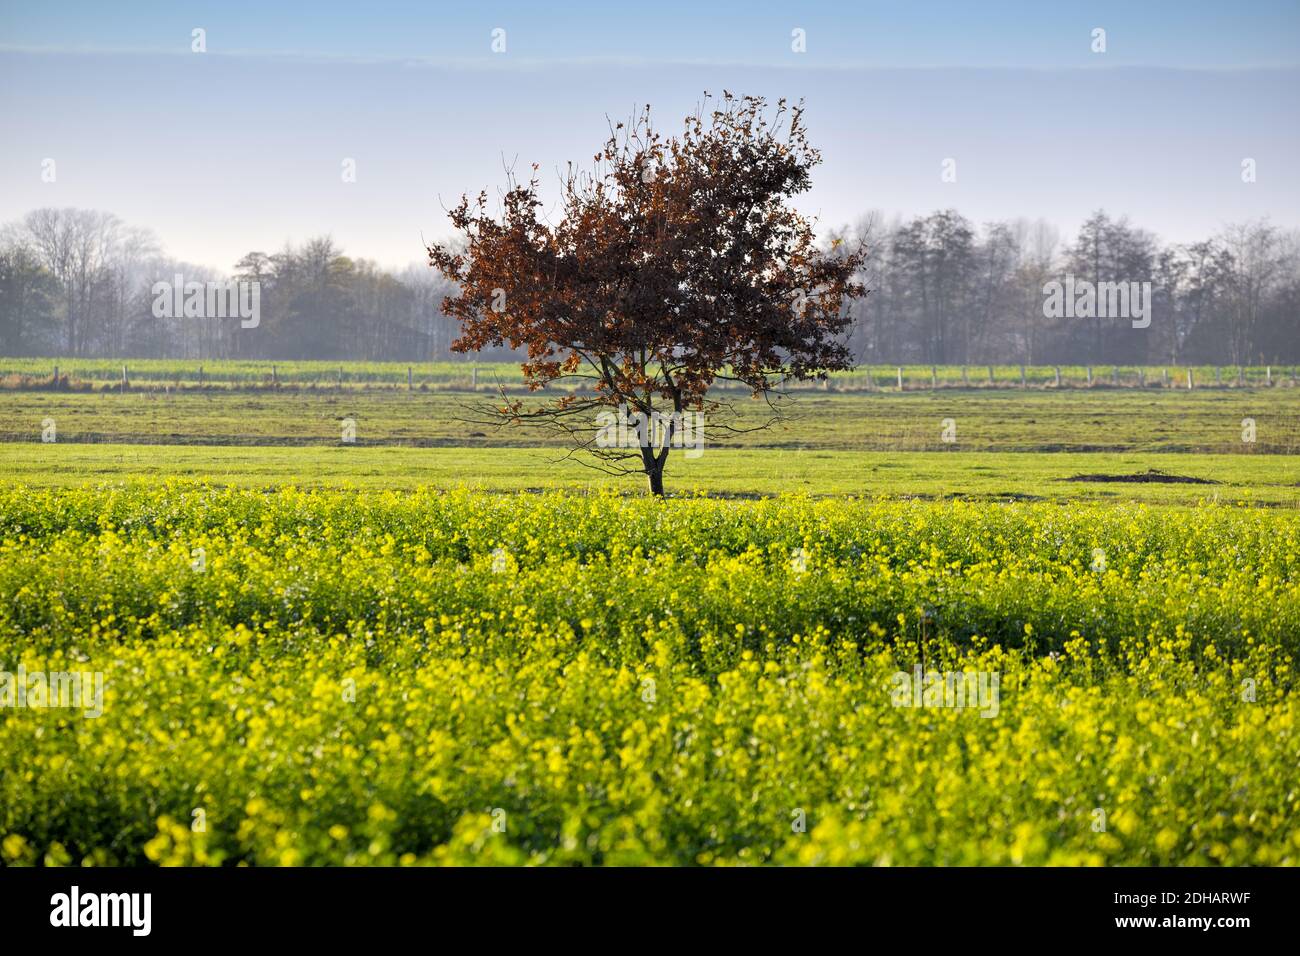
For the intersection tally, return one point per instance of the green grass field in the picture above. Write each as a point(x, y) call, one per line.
point(1121, 420)
point(440, 647)
point(1265, 480)
point(1009, 444)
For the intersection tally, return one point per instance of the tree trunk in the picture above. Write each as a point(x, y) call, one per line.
point(655, 480)
point(653, 465)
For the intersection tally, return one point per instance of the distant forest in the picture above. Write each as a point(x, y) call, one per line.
point(78, 283)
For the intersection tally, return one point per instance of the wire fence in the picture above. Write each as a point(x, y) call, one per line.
point(48, 373)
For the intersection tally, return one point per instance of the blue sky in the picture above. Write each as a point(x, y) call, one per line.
point(241, 147)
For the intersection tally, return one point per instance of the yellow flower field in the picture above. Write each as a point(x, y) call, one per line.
point(294, 678)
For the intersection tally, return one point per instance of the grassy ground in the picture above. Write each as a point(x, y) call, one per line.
point(1102, 420)
point(1267, 480)
point(832, 443)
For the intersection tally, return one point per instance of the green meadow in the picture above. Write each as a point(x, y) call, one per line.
point(1157, 446)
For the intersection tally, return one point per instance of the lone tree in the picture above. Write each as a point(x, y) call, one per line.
point(676, 264)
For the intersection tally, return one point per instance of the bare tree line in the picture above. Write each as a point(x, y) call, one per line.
point(78, 283)
point(947, 292)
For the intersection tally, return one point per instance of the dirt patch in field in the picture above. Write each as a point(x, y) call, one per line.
point(1151, 476)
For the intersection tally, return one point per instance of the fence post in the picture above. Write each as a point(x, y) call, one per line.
point(1164, 377)
point(1189, 379)
point(934, 377)
point(56, 376)
point(1218, 375)
point(1268, 375)
point(1241, 376)
point(900, 378)
point(124, 382)
point(964, 381)
point(1022, 376)
point(1089, 368)
point(1058, 376)
point(990, 374)
point(200, 376)
point(1114, 375)
point(408, 378)
point(340, 384)
point(275, 376)
point(474, 378)
point(1142, 378)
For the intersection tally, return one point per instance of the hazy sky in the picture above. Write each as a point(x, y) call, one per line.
point(242, 147)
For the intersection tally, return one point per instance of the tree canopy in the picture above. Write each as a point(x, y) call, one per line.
point(675, 263)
